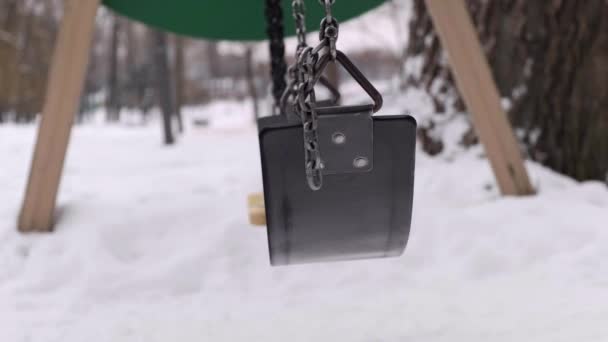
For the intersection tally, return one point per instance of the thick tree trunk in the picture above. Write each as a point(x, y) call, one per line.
point(550, 60)
point(163, 82)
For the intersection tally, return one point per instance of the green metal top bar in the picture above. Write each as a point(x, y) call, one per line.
point(242, 20)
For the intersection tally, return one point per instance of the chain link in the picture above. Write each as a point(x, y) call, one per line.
point(278, 67)
point(299, 16)
point(304, 74)
point(329, 28)
point(298, 10)
point(305, 108)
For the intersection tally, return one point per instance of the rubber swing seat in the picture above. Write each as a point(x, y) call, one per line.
point(354, 215)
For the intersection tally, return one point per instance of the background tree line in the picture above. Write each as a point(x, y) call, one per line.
point(124, 64)
point(549, 58)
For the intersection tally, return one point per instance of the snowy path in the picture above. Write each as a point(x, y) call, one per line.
point(154, 245)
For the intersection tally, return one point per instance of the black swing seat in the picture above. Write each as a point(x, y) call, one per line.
point(362, 212)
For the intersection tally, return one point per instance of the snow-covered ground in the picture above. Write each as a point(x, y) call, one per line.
point(153, 244)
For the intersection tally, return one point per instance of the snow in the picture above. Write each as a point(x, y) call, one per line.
point(153, 244)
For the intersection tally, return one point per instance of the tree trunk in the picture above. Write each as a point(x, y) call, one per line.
point(112, 100)
point(179, 81)
point(397, 9)
point(8, 55)
point(163, 82)
point(129, 98)
point(250, 76)
point(550, 60)
point(213, 58)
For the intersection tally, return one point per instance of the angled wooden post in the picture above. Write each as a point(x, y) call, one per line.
point(64, 88)
point(476, 84)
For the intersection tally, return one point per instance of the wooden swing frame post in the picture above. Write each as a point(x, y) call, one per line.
point(478, 89)
point(64, 88)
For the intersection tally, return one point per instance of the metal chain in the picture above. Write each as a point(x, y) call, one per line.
point(299, 16)
point(298, 11)
point(329, 28)
point(305, 108)
point(306, 72)
point(278, 66)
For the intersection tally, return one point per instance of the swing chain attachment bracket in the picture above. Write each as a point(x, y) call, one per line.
point(305, 74)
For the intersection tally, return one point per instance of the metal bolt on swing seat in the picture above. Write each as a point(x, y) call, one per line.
point(338, 138)
point(360, 162)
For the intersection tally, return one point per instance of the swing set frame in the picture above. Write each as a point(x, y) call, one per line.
point(68, 69)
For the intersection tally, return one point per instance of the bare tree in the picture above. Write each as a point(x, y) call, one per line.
point(250, 77)
point(113, 93)
point(212, 58)
point(179, 81)
point(398, 22)
point(163, 82)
